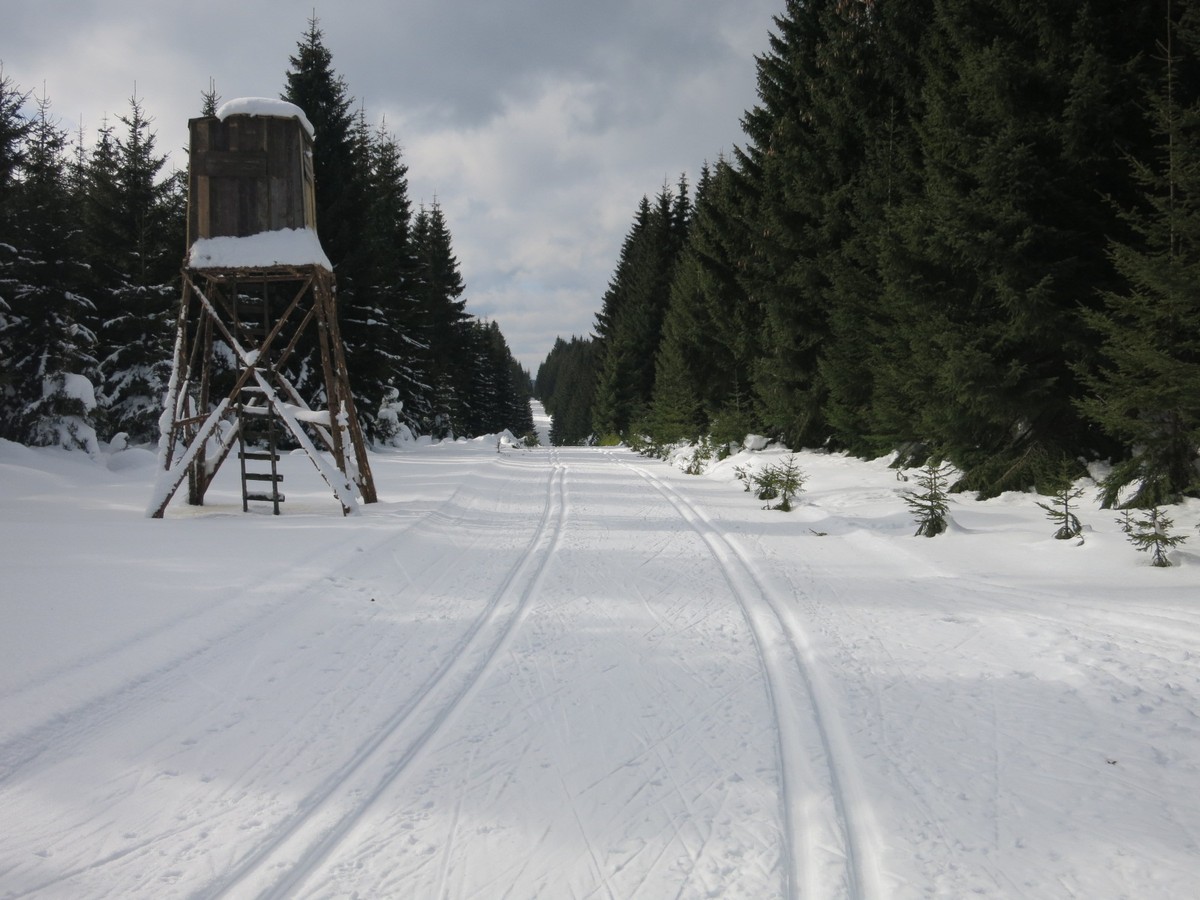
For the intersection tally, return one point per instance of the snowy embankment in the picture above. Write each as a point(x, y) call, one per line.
point(576, 672)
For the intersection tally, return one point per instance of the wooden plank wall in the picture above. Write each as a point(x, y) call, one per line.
point(249, 174)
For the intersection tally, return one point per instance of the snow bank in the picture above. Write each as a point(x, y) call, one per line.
point(264, 106)
point(579, 671)
point(285, 247)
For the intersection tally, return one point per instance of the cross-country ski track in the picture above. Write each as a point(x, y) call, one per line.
point(579, 673)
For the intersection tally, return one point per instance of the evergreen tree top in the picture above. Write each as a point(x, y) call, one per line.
point(314, 86)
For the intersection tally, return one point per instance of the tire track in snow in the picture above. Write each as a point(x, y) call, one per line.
point(279, 866)
point(787, 658)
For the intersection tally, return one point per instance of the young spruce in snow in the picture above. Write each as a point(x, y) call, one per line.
point(783, 482)
point(930, 506)
point(1061, 512)
point(1153, 533)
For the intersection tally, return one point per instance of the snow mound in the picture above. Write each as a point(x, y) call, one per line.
point(264, 106)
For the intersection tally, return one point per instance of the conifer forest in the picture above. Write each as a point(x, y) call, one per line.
point(961, 229)
point(92, 238)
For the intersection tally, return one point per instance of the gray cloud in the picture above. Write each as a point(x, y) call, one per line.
point(538, 124)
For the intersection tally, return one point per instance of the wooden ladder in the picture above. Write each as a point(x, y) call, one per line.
point(257, 425)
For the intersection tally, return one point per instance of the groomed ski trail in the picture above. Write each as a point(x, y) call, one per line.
point(301, 843)
point(833, 840)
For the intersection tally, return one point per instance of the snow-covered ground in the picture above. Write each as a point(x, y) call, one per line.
point(563, 673)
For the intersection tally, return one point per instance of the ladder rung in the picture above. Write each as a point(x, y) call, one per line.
point(265, 498)
point(260, 455)
point(263, 476)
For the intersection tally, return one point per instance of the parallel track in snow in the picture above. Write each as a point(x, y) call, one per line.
point(279, 865)
point(42, 743)
point(830, 845)
point(281, 583)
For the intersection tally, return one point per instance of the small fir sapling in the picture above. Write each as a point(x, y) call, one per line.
point(1125, 521)
point(766, 483)
point(930, 506)
point(781, 482)
point(789, 480)
point(701, 454)
point(1153, 533)
point(1061, 512)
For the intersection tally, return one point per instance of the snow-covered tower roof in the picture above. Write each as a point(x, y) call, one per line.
point(250, 173)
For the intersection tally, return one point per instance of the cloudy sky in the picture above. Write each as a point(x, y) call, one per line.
point(537, 124)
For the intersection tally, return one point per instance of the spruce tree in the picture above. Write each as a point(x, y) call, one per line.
point(629, 325)
point(47, 397)
point(392, 339)
point(1153, 534)
point(437, 289)
point(877, 85)
point(565, 384)
point(136, 241)
point(340, 173)
point(323, 95)
point(930, 505)
point(1147, 391)
point(210, 100)
point(1062, 510)
point(709, 337)
point(790, 169)
point(986, 268)
point(14, 130)
point(675, 412)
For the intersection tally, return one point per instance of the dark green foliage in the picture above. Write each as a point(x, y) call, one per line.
point(341, 167)
point(675, 412)
point(14, 131)
point(709, 343)
point(1062, 511)
point(565, 384)
point(1146, 394)
point(1153, 534)
point(496, 397)
point(781, 482)
point(910, 246)
point(323, 95)
point(983, 265)
point(789, 173)
point(382, 327)
point(864, 409)
point(702, 454)
point(46, 339)
point(136, 240)
point(445, 332)
point(629, 325)
point(930, 505)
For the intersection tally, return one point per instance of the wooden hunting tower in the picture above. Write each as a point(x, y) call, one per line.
point(255, 282)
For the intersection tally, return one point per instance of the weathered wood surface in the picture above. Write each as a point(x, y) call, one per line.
point(247, 175)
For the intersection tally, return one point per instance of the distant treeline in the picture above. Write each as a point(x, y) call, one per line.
point(964, 229)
